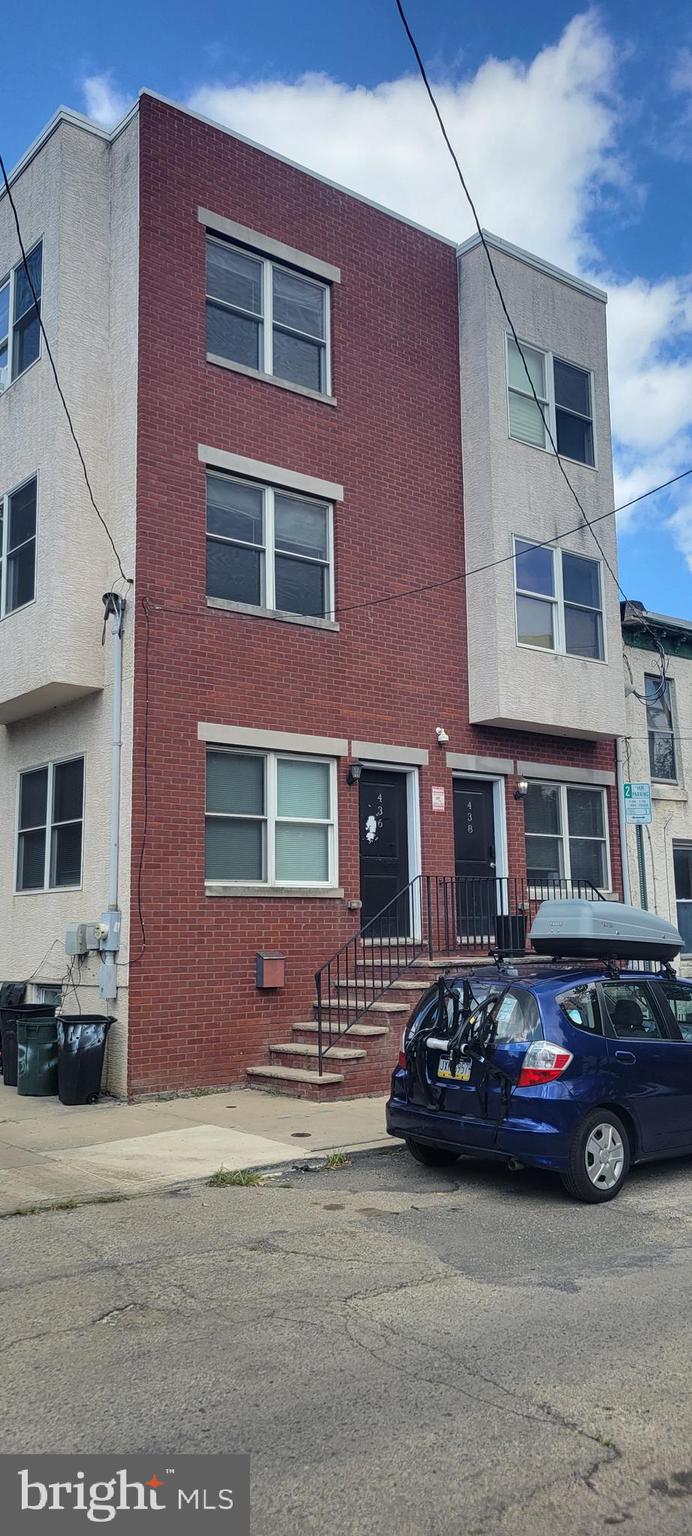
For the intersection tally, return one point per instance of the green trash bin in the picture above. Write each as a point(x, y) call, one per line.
point(37, 1057)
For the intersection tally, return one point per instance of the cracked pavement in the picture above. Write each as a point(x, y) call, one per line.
point(398, 1349)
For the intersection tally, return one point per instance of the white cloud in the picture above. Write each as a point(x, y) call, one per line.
point(103, 100)
point(536, 141)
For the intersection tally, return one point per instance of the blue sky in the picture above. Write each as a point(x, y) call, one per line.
point(574, 127)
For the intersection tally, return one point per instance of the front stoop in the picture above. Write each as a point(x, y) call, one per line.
point(362, 1059)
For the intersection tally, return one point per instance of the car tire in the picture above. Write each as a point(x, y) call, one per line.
point(431, 1157)
point(599, 1158)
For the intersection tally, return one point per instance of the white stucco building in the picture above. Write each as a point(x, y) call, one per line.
point(658, 687)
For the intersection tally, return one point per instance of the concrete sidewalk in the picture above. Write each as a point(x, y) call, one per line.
point(50, 1153)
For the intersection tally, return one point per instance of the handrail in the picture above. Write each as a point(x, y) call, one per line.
point(477, 913)
point(368, 964)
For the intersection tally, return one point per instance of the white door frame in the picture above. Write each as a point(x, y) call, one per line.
point(415, 860)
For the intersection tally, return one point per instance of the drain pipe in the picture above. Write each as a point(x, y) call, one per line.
point(114, 606)
point(624, 856)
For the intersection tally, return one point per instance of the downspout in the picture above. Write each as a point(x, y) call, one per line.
point(114, 606)
point(624, 857)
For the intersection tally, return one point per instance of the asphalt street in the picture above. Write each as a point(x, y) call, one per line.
point(400, 1351)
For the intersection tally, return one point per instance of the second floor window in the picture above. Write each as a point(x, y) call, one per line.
point(268, 548)
point(49, 828)
point(20, 335)
point(565, 396)
point(18, 548)
point(267, 317)
point(659, 724)
point(558, 598)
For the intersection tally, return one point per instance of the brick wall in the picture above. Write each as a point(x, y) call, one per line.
point(391, 674)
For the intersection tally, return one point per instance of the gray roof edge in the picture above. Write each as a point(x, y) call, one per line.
point(74, 120)
point(530, 260)
point(633, 618)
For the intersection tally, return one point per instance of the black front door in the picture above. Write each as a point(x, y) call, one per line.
point(383, 846)
point(474, 861)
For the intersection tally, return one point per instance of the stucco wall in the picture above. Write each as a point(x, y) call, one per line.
point(671, 807)
point(80, 195)
point(512, 488)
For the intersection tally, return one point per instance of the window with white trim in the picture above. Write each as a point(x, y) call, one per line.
point(50, 817)
point(659, 725)
point(566, 827)
point(267, 316)
point(559, 602)
point(565, 393)
point(270, 819)
point(268, 548)
point(18, 548)
point(20, 333)
point(682, 870)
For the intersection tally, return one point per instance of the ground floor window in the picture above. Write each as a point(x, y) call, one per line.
point(270, 819)
point(50, 815)
point(566, 834)
point(682, 866)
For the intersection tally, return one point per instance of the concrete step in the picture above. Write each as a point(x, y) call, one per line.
point(304, 1048)
point(373, 985)
point(364, 1031)
point(295, 1075)
point(375, 1007)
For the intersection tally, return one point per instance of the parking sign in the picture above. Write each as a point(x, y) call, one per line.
point(638, 803)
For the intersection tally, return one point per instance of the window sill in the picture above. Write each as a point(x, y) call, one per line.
point(546, 650)
point(270, 378)
point(227, 605)
point(320, 893)
point(662, 791)
point(50, 890)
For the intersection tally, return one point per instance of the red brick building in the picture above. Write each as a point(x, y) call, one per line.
point(328, 415)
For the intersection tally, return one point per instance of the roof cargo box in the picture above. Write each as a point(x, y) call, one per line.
point(602, 930)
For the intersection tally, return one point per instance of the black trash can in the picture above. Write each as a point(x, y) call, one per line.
point(81, 1049)
point(9, 1018)
point(37, 1056)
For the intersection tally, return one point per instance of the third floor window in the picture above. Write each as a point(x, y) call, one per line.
point(559, 601)
point(268, 548)
point(267, 317)
point(18, 548)
point(566, 404)
point(20, 335)
point(659, 722)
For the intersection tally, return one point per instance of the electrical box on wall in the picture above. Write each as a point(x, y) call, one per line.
point(76, 939)
point(270, 969)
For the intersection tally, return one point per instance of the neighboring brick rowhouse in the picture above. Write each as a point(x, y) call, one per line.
point(393, 671)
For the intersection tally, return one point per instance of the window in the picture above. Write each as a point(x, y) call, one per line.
point(559, 603)
point(17, 548)
point(49, 831)
point(682, 869)
point(268, 548)
point(659, 724)
point(630, 1011)
point(50, 995)
point(581, 1009)
point(564, 393)
point(679, 1000)
point(20, 333)
point(270, 819)
point(266, 316)
point(566, 836)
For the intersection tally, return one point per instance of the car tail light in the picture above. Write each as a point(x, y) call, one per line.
point(402, 1052)
point(542, 1063)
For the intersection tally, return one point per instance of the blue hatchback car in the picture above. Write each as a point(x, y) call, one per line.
point(579, 1069)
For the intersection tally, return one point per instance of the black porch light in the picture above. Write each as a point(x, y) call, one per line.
point(521, 790)
point(354, 773)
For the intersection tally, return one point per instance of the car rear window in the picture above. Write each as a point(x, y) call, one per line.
point(581, 1007)
point(518, 1019)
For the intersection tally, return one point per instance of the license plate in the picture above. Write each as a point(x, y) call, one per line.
point(462, 1074)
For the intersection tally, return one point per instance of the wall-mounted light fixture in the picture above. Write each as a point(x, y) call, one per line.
point(521, 790)
point(441, 734)
point(354, 773)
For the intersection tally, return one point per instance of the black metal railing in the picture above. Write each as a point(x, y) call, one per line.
point(368, 964)
point(434, 914)
point(488, 912)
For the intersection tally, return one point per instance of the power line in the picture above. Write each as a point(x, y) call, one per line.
point(59, 388)
point(508, 317)
point(474, 570)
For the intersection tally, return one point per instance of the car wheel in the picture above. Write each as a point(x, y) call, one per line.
point(432, 1157)
point(599, 1158)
